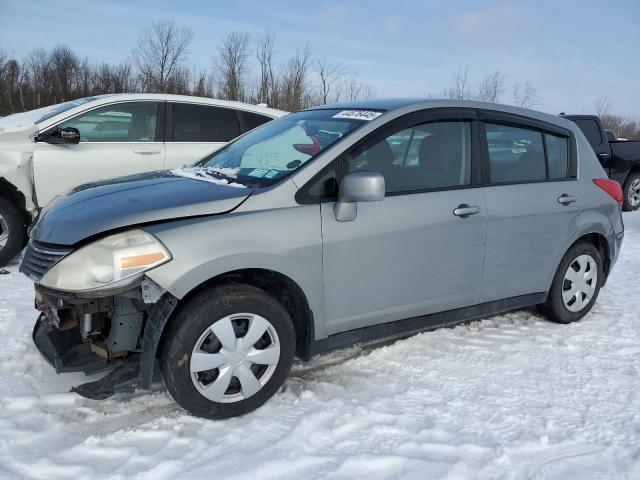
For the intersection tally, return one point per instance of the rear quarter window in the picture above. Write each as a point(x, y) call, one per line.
point(557, 155)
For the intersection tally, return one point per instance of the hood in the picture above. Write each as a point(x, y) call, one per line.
point(17, 133)
point(99, 207)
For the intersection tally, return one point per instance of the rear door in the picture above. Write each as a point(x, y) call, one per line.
point(533, 200)
point(115, 140)
point(195, 130)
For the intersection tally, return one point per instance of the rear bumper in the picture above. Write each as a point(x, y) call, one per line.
point(64, 350)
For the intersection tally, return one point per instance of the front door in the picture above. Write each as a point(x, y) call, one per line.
point(421, 249)
point(115, 140)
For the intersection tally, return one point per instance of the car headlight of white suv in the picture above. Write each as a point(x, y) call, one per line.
point(112, 262)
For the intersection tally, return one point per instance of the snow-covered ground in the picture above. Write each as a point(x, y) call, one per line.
point(512, 397)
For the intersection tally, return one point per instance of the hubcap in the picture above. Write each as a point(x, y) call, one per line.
point(4, 232)
point(580, 283)
point(633, 195)
point(235, 357)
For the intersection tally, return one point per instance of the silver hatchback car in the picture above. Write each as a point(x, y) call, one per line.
point(327, 227)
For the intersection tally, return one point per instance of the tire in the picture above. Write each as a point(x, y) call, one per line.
point(631, 192)
point(12, 231)
point(189, 345)
point(556, 308)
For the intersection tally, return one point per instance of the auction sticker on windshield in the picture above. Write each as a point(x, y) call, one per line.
point(358, 114)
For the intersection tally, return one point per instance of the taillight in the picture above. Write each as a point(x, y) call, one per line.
point(612, 187)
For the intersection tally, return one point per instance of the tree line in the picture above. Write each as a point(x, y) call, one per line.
point(243, 68)
point(494, 87)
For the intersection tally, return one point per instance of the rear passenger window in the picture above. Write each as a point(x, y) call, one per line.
point(253, 120)
point(515, 154)
point(557, 155)
point(201, 123)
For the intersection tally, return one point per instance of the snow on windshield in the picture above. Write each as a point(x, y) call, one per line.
point(206, 174)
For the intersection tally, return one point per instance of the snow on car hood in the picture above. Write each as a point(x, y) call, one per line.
point(127, 201)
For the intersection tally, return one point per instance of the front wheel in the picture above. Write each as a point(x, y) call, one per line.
point(632, 192)
point(12, 231)
point(576, 284)
point(227, 351)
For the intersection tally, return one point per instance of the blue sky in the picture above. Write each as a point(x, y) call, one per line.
point(573, 51)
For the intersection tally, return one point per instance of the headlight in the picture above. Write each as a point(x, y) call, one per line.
point(111, 262)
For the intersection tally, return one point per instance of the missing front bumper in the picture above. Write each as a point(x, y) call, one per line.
point(64, 350)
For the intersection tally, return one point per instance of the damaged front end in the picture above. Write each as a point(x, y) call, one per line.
point(118, 334)
point(113, 327)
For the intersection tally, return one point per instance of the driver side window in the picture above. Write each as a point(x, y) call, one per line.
point(428, 156)
point(122, 122)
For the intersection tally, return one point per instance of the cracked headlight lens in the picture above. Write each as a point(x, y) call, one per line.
point(112, 262)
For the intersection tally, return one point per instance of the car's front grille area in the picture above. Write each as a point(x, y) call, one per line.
point(38, 259)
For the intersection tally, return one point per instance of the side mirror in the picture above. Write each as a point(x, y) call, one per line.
point(360, 186)
point(65, 135)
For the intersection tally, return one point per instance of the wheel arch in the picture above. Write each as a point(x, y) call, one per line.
point(596, 238)
point(9, 191)
point(280, 286)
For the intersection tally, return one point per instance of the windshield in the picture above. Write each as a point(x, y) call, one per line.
point(277, 149)
point(54, 110)
point(41, 114)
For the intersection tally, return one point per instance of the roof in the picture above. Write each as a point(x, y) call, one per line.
point(386, 104)
point(273, 112)
point(410, 104)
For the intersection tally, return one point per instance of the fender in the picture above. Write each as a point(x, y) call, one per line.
point(16, 170)
point(157, 320)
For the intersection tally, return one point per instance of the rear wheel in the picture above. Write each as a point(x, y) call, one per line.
point(12, 231)
point(228, 351)
point(576, 284)
point(632, 192)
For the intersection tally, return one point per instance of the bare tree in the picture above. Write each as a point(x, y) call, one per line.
point(202, 84)
point(525, 95)
point(458, 89)
point(114, 78)
point(329, 74)
point(354, 88)
point(294, 93)
point(64, 65)
point(603, 105)
point(232, 64)
point(160, 55)
point(265, 52)
point(490, 88)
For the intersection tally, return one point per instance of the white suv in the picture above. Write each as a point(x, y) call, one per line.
point(48, 151)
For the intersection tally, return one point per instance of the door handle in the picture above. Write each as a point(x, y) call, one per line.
point(565, 199)
point(146, 151)
point(465, 210)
